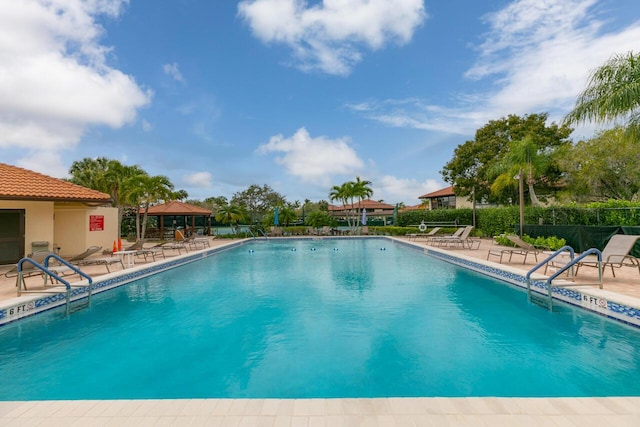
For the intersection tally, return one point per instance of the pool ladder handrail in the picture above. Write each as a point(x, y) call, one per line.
point(48, 273)
point(568, 266)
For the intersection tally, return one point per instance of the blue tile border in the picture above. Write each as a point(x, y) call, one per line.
point(607, 308)
point(40, 304)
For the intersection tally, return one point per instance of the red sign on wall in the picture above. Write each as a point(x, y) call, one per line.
point(96, 222)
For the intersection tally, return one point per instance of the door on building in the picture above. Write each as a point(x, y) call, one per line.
point(11, 235)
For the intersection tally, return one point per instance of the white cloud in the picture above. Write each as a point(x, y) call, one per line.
point(330, 36)
point(172, 71)
point(314, 160)
point(54, 79)
point(199, 179)
point(536, 57)
point(393, 190)
point(146, 126)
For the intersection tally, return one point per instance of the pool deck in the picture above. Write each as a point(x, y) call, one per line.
point(475, 411)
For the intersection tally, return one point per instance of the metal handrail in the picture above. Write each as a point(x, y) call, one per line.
point(47, 272)
point(562, 269)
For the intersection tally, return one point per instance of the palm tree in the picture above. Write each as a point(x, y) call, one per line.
point(231, 214)
point(146, 190)
point(613, 92)
point(361, 190)
point(522, 157)
point(342, 193)
point(108, 176)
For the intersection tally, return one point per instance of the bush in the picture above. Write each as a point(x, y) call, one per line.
point(552, 243)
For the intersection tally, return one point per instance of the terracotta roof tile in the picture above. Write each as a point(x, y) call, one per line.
point(176, 207)
point(440, 193)
point(22, 184)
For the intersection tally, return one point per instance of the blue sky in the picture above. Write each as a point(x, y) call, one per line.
point(299, 95)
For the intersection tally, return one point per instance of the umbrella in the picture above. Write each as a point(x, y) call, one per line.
point(275, 217)
point(364, 217)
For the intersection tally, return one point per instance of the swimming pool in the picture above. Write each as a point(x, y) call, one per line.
point(316, 318)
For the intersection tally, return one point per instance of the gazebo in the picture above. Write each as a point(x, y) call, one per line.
point(178, 214)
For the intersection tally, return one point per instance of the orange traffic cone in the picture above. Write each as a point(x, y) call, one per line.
point(115, 246)
point(119, 243)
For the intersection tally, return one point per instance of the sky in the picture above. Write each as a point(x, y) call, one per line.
point(298, 95)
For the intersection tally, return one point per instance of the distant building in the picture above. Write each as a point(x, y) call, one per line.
point(445, 198)
point(374, 209)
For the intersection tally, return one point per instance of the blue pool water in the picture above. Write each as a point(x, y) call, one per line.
point(332, 318)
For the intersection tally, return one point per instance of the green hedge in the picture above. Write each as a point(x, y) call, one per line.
point(495, 221)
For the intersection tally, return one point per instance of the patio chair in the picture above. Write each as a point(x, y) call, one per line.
point(521, 248)
point(85, 259)
point(153, 251)
point(615, 254)
point(444, 240)
point(90, 251)
point(29, 270)
point(427, 236)
point(462, 239)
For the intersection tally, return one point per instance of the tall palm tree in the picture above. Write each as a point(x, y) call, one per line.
point(343, 193)
point(613, 93)
point(146, 190)
point(522, 157)
point(361, 190)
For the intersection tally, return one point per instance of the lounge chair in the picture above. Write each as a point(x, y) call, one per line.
point(29, 270)
point(445, 240)
point(427, 236)
point(90, 251)
point(153, 251)
point(462, 238)
point(84, 259)
point(521, 248)
point(615, 254)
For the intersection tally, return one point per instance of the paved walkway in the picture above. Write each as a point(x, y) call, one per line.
point(583, 412)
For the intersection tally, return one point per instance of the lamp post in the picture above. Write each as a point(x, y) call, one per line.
point(521, 195)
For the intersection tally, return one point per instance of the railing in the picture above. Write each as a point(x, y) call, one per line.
point(47, 272)
point(568, 266)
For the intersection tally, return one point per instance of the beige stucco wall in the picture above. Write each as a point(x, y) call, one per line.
point(65, 224)
point(463, 203)
point(72, 227)
point(38, 221)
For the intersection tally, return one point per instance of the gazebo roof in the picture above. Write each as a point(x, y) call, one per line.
point(22, 184)
point(176, 207)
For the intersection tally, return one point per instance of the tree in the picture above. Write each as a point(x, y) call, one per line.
point(603, 167)
point(473, 163)
point(108, 176)
point(179, 195)
point(257, 201)
point(317, 219)
point(613, 93)
point(523, 157)
point(342, 193)
point(231, 214)
point(146, 190)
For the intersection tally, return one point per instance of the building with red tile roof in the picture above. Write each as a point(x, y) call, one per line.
point(22, 184)
point(41, 212)
point(444, 198)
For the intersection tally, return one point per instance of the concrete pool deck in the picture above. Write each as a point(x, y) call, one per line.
point(490, 411)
